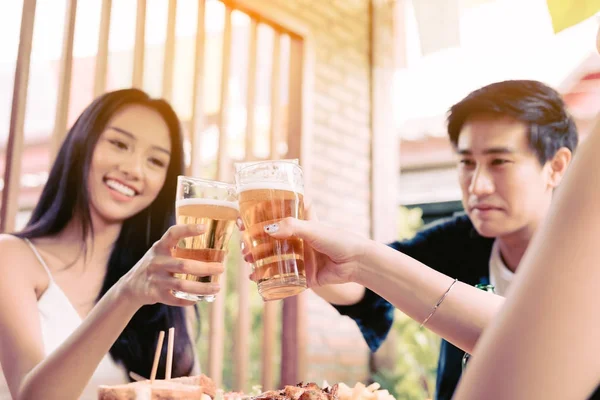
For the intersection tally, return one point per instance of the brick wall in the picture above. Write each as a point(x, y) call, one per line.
point(340, 161)
point(341, 135)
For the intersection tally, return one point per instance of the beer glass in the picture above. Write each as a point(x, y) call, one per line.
point(269, 191)
point(214, 205)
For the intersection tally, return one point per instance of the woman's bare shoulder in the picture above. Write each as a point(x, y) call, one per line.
point(18, 260)
point(12, 246)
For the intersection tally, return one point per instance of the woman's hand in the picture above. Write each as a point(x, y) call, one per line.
point(330, 256)
point(151, 280)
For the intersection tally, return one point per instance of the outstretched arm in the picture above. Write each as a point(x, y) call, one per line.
point(336, 256)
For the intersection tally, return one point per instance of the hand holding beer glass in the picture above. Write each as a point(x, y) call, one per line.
point(269, 191)
point(214, 205)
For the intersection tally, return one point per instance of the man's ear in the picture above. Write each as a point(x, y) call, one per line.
point(558, 165)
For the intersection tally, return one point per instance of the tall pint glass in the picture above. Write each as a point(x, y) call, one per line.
point(214, 205)
point(269, 191)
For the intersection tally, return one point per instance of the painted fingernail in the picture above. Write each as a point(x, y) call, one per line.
point(271, 228)
point(199, 228)
point(239, 223)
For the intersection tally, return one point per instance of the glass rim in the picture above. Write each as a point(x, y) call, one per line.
point(262, 162)
point(202, 180)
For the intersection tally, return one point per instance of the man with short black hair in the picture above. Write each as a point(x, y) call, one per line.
point(514, 141)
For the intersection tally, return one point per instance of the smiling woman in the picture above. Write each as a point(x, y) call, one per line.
point(92, 270)
point(130, 163)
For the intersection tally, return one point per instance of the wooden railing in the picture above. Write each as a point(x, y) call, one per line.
point(286, 128)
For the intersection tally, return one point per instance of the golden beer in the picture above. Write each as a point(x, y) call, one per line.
point(218, 218)
point(278, 264)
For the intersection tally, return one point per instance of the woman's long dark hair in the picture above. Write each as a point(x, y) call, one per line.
point(63, 199)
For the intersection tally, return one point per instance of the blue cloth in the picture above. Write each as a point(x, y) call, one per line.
point(374, 317)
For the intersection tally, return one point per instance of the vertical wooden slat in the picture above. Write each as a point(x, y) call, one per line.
point(251, 99)
point(270, 308)
point(217, 315)
point(275, 96)
point(64, 79)
point(293, 340)
point(289, 359)
point(385, 162)
point(302, 84)
point(102, 56)
point(169, 60)
point(137, 80)
point(301, 344)
point(216, 333)
point(222, 155)
point(293, 332)
point(268, 345)
point(14, 148)
point(295, 106)
point(242, 329)
point(243, 323)
point(197, 117)
point(284, 81)
point(401, 10)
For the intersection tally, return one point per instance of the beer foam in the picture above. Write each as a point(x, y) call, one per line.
point(271, 186)
point(207, 202)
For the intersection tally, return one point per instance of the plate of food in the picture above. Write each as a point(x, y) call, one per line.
point(201, 387)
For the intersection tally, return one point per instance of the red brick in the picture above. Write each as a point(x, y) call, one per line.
point(316, 19)
point(344, 34)
point(355, 115)
point(334, 76)
point(354, 144)
point(325, 9)
point(326, 103)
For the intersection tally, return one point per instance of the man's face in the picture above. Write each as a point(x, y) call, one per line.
point(504, 187)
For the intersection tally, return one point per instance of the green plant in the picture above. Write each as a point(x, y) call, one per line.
point(414, 373)
point(410, 220)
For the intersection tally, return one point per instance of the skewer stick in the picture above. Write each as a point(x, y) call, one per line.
point(136, 377)
point(161, 339)
point(170, 353)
